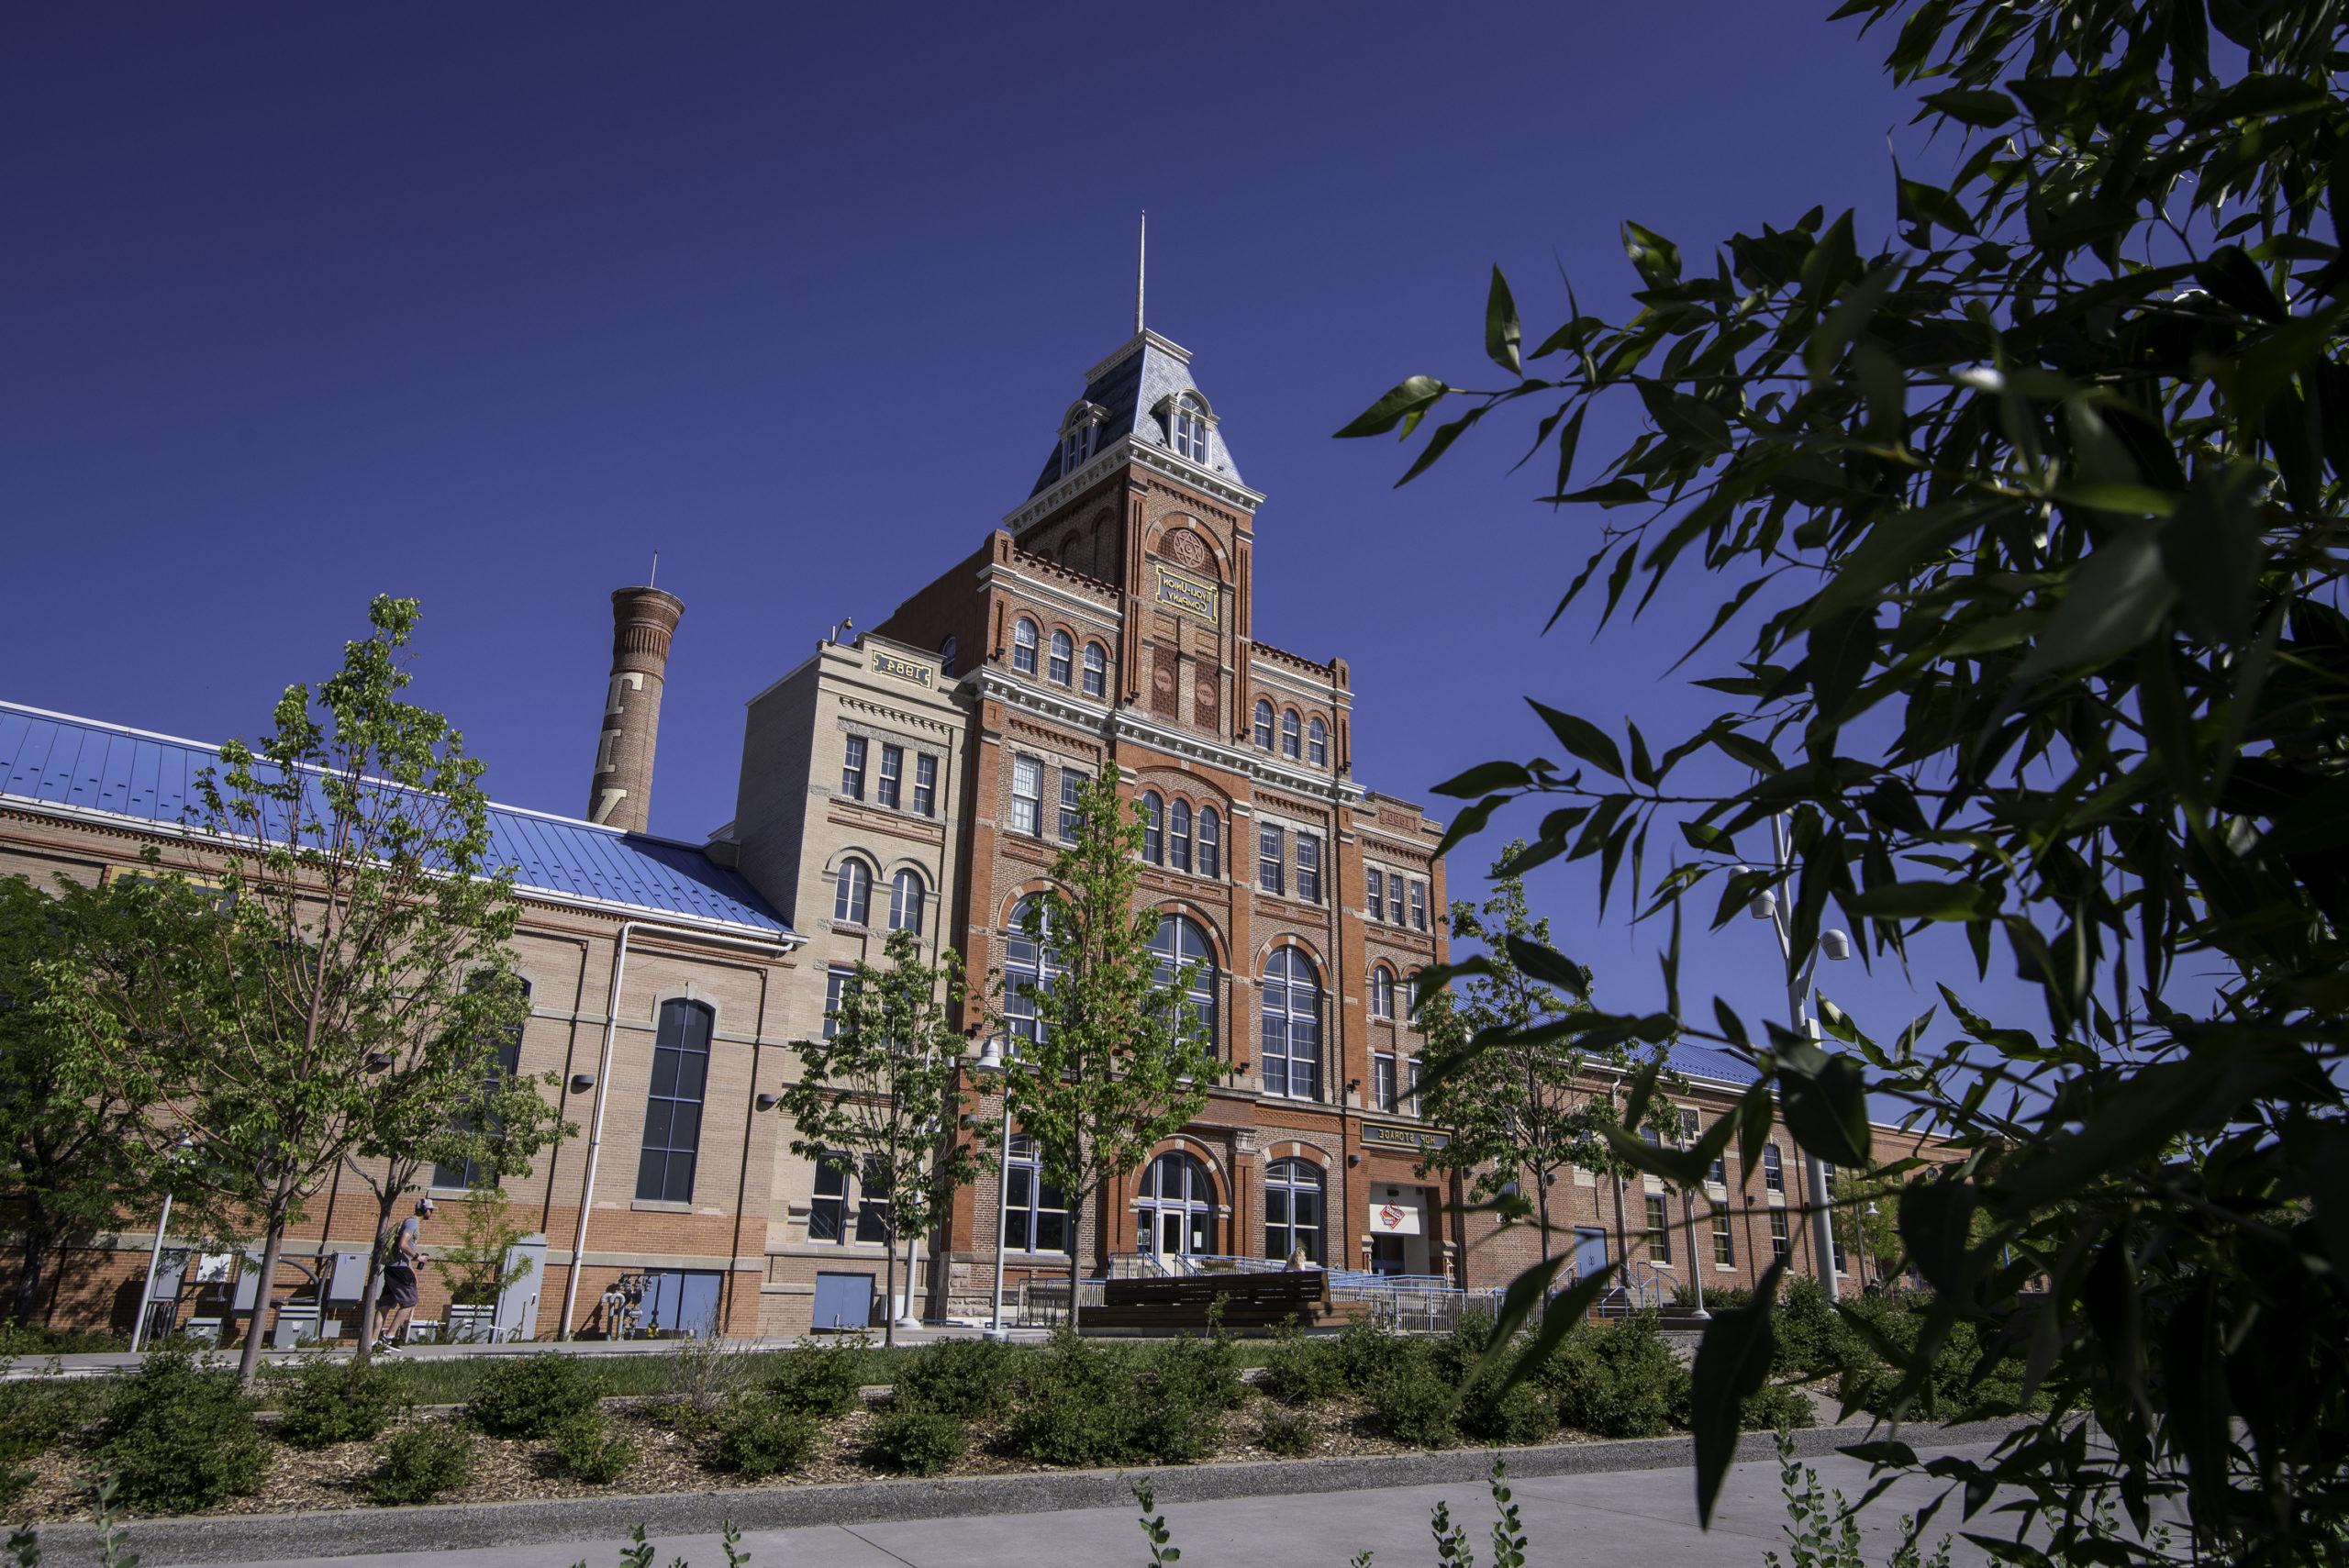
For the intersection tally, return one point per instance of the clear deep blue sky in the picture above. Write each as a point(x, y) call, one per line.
point(485, 303)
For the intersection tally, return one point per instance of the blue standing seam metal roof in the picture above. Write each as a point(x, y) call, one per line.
point(1704, 1062)
point(78, 764)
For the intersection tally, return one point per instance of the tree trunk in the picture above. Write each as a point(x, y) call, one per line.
point(371, 1295)
point(1075, 1249)
point(1622, 1236)
point(1541, 1207)
point(39, 1239)
point(889, 1293)
point(249, 1364)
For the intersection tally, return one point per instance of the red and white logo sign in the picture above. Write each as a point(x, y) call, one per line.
point(1392, 1216)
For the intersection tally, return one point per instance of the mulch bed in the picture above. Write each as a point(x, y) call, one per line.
point(667, 1461)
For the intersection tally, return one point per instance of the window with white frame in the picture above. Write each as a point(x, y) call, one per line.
point(828, 1209)
point(1182, 946)
point(1176, 1211)
point(1382, 993)
point(1659, 1231)
point(1154, 826)
point(946, 655)
point(1411, 1084)
point(1375, 880)
point(1076, 445)
point(839, 981)
point(893, 769)
point(1190, 429)
point(1035, 1214)
point(1293, 1209)
point(1774, 1173)
point(906, 895)
point(1317, 743)
point(665, 1171)
point(1264, 724)
point(1724, 1245)
point(1097, 670)
point(1309, 867)
point(1289, 732)
point(1058, 672)
point(1782, 1244)
point(1178, 834)
point(1271, 859)
point(1411, 995)
point(1072, 817)
point(1420, 905)
point(852, 892)
point(925, 785)
point(852, 767)
point(1023, 646)
point(1382, 1082)
point(1029, 969)
point(1394, 898)
point(1291, 1053)
point(1211, 842)
point(1027, 797)
point(872, 1213)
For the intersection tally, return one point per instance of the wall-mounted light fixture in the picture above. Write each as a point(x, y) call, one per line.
point(769, 1102)
point(1354, 1159)
point(581, 1082)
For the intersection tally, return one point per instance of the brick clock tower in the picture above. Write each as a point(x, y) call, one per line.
point(1110, 622)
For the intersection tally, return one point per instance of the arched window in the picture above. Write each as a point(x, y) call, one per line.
point(1029, 970)
point(1178, 835)
point(1064, 651)
point(1289, 732)
point(1382, 993)
point(1317, 743)
point(905, 898)
point(1175, 1216)
point(1023, 646)
point(1264, 724)
point(946, 655)
point(1035, 1214)
point(852, 892)
point(1190, 430)
point(1774, 1174)
point(1211, 842)
point(1292, 1032)
point(1154, 828)
point(664, 1170)
point(1097, 670)
point(1293, 1209)
point(1180, 944)
point(1076, 445)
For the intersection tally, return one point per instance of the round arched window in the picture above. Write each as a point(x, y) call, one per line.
point(852, 892)
point(1181, 945)
point(1175, 1216)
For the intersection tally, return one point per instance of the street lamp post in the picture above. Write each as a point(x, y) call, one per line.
point(991, 1062)
point(155, 1255)
point(1688, 1223)
point(1836, 946)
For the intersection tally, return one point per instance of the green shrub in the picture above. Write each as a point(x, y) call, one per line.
point(1952, 1392)
point(1288, 1433)
point(1775, 1406)
point(14, 1485)
point(590, 1450)
point(1416, 1405)
point(1458, 1350)
point(1074, 1403)
point(321, 1402)
point(36, 1414)
point(179, 1437)
point(1367, 1353)
point(958, 1377)
point(918, 1442)
point(821, 1379)
point(761, 1434)
point(530, 1396)
point(1622, 1381)
point(1525, 1414)
point(1301, 1370)
point(17, 1342)
point(1718, 1297)
point(1805, 1329)
point(421, 1462)
point(1204, 1371)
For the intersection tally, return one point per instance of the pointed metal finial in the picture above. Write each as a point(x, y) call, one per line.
point(654, 575)
point(1141, 269)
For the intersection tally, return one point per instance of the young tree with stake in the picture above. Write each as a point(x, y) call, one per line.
point(1118, 1060)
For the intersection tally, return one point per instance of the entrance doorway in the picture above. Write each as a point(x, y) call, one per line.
point(1175, 1216)
point(1590, 1251)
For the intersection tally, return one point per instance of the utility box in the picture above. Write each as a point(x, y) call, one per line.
point(517, 1303)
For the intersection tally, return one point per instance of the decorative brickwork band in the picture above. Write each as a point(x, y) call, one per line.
point(619, 790)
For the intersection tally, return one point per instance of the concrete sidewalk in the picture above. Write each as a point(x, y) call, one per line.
point(1642, 1516)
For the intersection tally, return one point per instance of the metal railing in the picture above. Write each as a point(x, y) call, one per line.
point(1188, 1265)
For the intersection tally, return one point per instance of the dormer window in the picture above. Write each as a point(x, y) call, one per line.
point(1078, 434)
point(1190, 430)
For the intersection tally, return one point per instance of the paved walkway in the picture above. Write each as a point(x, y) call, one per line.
point(1645, 1517)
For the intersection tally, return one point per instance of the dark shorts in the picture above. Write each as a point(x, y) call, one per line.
point(399, 1286)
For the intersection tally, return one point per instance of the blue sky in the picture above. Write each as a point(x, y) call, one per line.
point(485, 304)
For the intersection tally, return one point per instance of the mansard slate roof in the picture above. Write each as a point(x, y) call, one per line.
point(82, 766)
point(1129, 387)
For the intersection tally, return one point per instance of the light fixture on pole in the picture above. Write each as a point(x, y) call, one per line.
point(991, 1062)
point(1688, 1223)
point(155, 1255)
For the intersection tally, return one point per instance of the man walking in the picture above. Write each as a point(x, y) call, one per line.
point(399, 1276)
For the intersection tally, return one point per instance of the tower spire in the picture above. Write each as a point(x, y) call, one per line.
point(1141, 269)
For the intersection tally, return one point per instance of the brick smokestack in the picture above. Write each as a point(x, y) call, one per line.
point(620, 794)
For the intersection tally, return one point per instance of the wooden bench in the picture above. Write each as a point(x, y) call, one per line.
point(1250, 1301)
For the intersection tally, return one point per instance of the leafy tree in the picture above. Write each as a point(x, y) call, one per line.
point(1504, 1071)
point(350, 848)
point(72, 1161)
point(886, 1092)
point(476, 1265)
point(2032, 511)
point(1118, 1060)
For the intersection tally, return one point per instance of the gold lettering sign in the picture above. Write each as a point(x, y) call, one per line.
point(904, 668)
point(1186, 591)
point(1413, 1139)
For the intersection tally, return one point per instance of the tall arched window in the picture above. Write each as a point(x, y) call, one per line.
point(1292, 1032)
point(1178, 835)
point(1774, 1174)
point(1317, 743)
point(1382, 993)
point(664, 1170)
point(1211, 842)
point(1029, 971)
point(1023, 646)
point(1264, 724)
point(1097, 670)
point(1289, 732)
point(1063, 653)
point(1180, 943)
point(906, 895)
point(1154, 826)
point(852, 892)
point(1175, 1216)
point(1293, 1209)
point(946, 655)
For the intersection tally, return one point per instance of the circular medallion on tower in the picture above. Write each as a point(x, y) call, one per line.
point(1185, 548)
